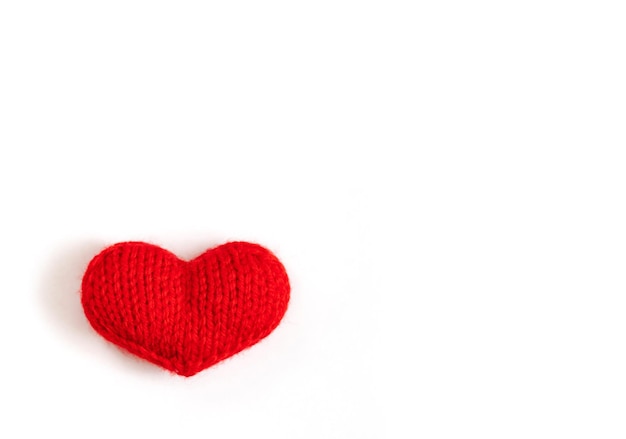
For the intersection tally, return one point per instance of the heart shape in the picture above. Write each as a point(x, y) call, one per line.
point(185, 315)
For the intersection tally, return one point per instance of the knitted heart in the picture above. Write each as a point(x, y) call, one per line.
point(185, 316)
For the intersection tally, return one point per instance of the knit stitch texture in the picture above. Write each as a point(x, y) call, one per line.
point(185, 316)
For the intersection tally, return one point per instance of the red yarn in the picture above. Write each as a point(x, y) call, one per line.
point(185, 316)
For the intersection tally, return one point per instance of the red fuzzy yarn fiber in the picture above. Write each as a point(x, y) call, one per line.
point(185, 315)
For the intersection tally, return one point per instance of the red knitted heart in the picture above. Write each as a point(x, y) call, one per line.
point(185, 316)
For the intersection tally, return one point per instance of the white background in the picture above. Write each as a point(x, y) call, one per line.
point(445, 182)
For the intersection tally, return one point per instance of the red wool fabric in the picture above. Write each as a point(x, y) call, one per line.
point(185, 316)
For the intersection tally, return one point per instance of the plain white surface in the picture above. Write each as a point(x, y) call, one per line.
point(444, 181)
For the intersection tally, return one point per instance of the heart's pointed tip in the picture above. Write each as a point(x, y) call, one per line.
point(182, 371)
point(186, 373)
